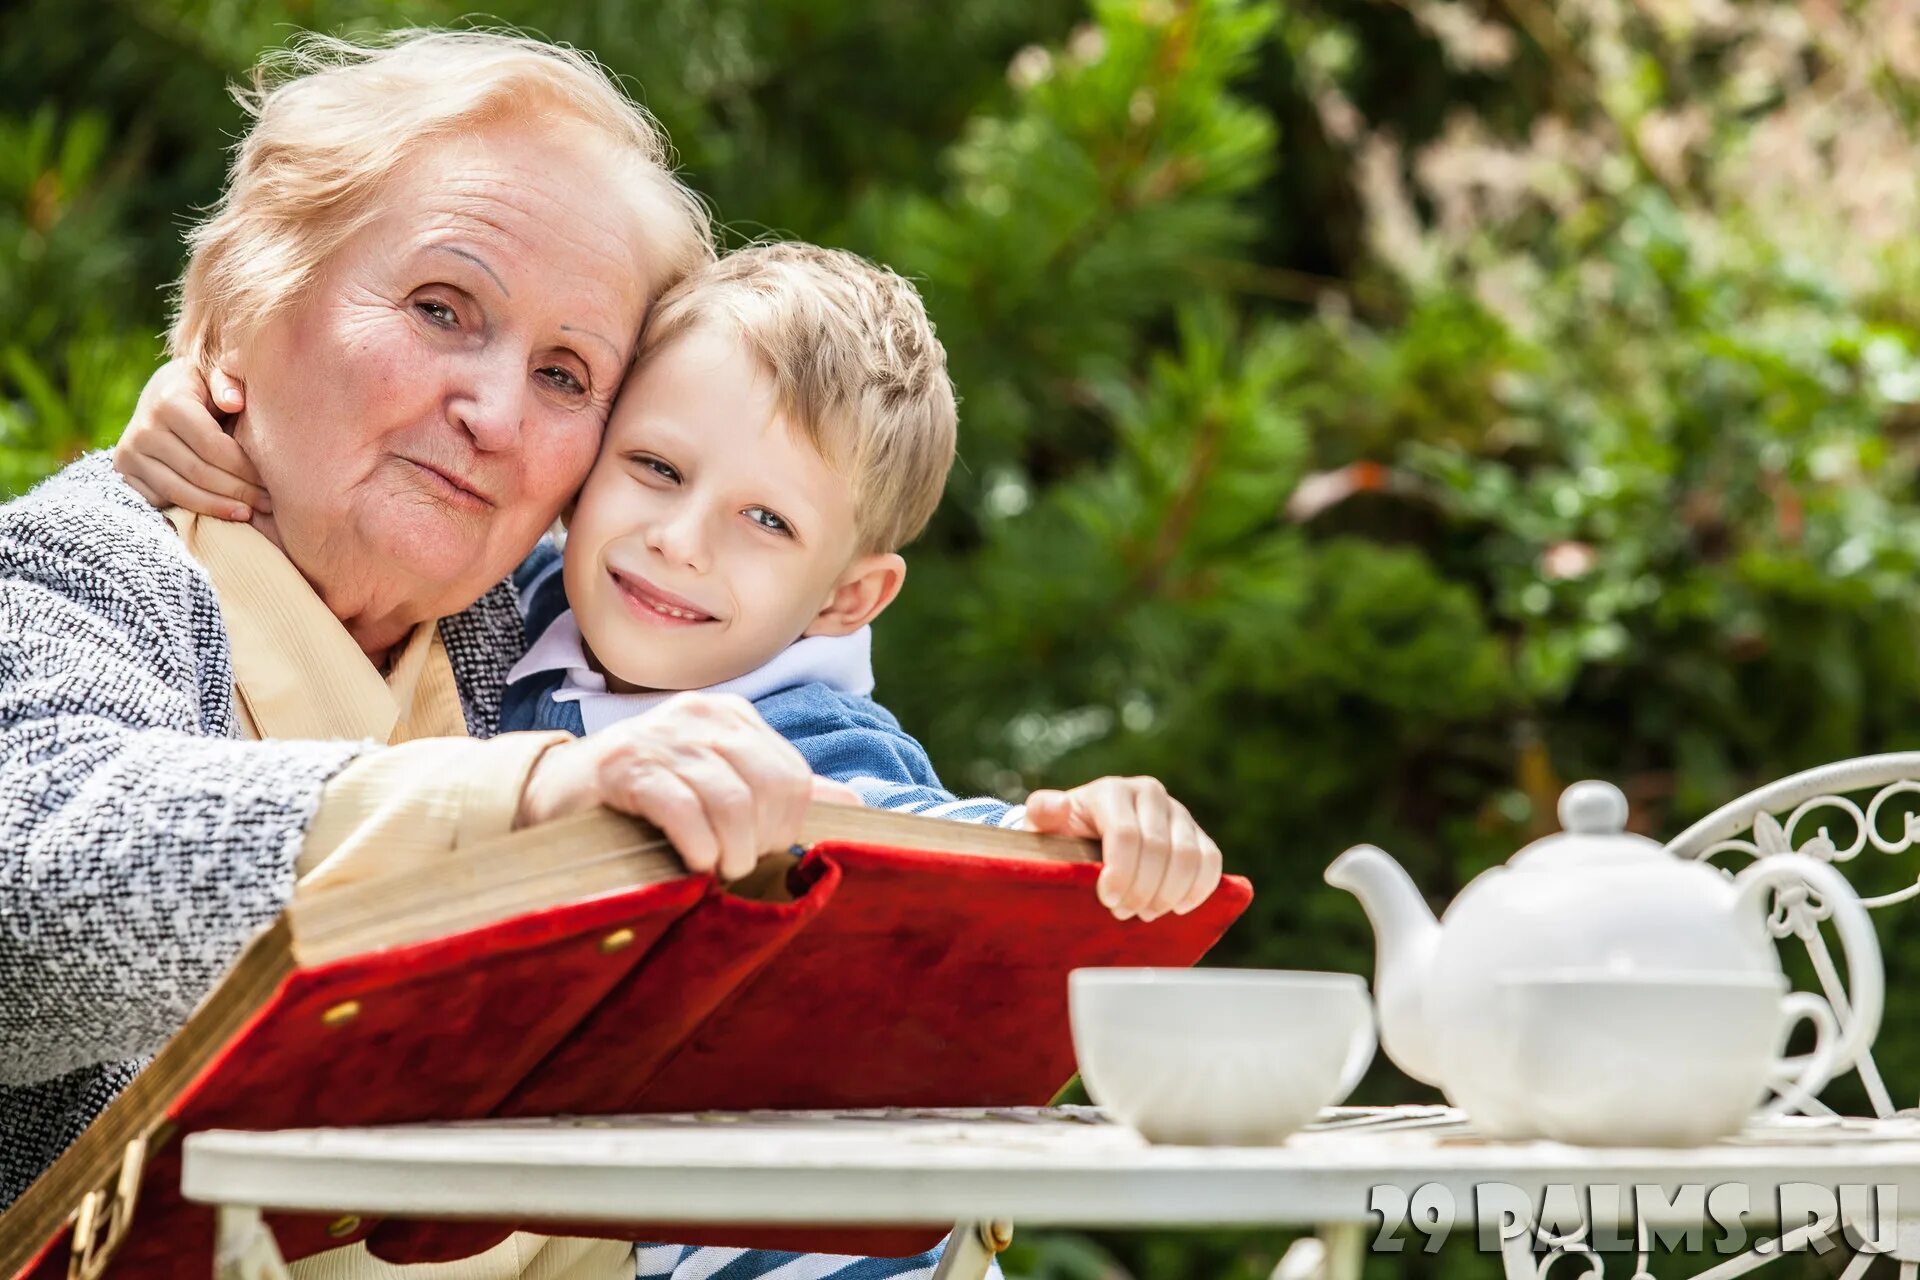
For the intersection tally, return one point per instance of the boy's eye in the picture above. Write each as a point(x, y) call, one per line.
point(437, 312)
point(660, 468)
point(769, 520)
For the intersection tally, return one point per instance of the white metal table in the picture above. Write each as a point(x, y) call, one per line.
point(1058, 1166)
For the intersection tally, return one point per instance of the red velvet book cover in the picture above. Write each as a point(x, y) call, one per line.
point(894, 978)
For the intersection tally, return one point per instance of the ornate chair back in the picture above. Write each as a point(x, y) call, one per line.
point(1798, 814)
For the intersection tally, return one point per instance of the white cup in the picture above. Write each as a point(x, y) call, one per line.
point(1665, 1059)
point(1219, 1057)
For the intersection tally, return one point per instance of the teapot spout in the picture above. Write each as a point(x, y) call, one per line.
point(1405, 937)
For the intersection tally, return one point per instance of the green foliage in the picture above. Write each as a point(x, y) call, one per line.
point(68, 373)
point(1373, 416)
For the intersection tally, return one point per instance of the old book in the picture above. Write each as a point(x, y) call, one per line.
point(577, 968)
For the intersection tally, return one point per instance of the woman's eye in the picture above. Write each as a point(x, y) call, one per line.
point(769, 520)
point(437, 312)
point(563, 378)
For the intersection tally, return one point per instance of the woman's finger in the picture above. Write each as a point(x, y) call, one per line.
point(729, 805)
point(781, 784)
point(768, 767)
point(1154, 810)
point(827, 791)
point(647, 789)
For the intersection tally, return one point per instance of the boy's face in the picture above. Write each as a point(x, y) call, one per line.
point(710, 535)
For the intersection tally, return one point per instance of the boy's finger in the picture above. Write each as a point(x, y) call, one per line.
point(1184, 864)
point(140, 487)
point(1048, 811)
point(1118, 827)
point(1067, 813)
point(168, 488)
point(1153, 810)
point(200, 433)
point(224, 452)
point(174, 453)
point(228, 394)
point(1212, 867)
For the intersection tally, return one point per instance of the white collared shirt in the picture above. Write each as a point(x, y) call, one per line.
point(843, 663)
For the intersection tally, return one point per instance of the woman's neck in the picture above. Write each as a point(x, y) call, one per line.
point(379, 633)
point(381, 644)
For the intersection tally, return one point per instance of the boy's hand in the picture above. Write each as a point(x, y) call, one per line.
point(1157, 857)
point(174, 452)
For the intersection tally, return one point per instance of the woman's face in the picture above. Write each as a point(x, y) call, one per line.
point(422, 413)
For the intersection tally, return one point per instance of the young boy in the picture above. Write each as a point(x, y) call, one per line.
point(787, 427)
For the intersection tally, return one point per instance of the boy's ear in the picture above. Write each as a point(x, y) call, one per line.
point(868, 586)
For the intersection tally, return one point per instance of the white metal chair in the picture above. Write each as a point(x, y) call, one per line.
point(1795, 814)
point(1798, 814)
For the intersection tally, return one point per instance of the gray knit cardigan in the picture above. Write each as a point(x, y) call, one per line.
point(141, 843)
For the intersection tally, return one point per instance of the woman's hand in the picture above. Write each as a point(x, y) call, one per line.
point(704, 768)
point(174, 452)
point(1157, 857)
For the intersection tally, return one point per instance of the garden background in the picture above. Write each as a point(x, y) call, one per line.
point(1376, 413)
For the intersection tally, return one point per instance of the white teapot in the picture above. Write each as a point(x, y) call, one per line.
point(1593, 897)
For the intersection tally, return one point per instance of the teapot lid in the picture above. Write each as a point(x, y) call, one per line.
point(1593, 818)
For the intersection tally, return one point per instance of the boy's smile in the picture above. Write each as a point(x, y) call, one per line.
point(711, 534)
point(657, 606)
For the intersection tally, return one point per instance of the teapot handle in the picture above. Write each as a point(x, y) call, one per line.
point(1865, 976)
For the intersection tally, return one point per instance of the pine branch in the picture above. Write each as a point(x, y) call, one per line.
point(1185, 505)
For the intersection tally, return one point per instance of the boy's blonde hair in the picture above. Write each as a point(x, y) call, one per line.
point(854, 361)
point(335, 121)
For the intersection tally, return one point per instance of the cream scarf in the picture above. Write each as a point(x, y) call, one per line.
point(296, 671)
point(298, 674)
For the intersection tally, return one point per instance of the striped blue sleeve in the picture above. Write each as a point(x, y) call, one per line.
point(658, 1261)
point(932, 802)
point(844, 736)
point(857, 741)
point(713, 1263)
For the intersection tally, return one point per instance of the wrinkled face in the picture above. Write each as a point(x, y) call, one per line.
point(422, 413)
point(710, 535)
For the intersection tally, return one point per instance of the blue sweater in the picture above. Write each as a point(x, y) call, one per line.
point(843, 735)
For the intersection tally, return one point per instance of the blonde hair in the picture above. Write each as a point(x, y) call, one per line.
point(334, 121)
point(855, 364)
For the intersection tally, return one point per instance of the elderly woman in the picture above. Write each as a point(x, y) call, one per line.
point(429, 269)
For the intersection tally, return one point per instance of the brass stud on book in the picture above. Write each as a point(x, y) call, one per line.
point(344, 1012)
point(618, 940)
point(344, 1225)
